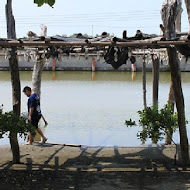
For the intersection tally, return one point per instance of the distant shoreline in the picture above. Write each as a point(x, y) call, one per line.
point(82, 64)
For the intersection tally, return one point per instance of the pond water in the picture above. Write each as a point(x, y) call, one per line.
point(91, 108)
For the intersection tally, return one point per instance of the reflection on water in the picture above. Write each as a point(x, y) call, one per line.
point(90, 108)
point(133, 76)
point(93, 76)
point(53, 75)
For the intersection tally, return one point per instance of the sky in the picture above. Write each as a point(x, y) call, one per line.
point(87, 17)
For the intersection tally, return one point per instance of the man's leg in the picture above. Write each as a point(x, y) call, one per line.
point(41, 134)
point(35, 123)
point(30, 139)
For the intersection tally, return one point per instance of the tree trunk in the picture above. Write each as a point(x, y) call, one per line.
point(15, 79)
point(37, 75)
point(178, 19)
point(155, 70)
point(170, 11)
point(36, 79)
point(176, 79)
point(187, 3)
point(11, 33)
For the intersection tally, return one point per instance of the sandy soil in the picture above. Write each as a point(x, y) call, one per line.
point(59, 167)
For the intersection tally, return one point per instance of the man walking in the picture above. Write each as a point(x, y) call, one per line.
point(34, 113)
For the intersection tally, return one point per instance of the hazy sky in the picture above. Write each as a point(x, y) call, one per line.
point(85, 16)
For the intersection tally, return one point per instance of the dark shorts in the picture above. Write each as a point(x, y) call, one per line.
point(35, 122)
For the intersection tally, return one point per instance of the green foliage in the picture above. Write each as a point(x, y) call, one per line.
point(41, 2)
point(156, 123)
point(10, 122)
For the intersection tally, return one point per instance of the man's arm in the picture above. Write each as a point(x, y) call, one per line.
point(30, 113)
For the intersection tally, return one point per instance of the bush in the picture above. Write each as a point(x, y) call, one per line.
point(156, 123)
point(10, 122)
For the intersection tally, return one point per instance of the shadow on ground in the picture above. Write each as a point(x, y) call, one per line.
point(147, 168)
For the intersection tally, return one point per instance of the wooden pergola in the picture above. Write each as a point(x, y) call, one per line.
point(170, 11)
point(153, 43)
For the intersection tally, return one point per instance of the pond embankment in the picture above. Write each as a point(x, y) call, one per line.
point(81, 63)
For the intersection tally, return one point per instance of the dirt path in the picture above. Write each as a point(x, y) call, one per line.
point(62, 167)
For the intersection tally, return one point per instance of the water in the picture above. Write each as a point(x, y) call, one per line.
point(91, 108)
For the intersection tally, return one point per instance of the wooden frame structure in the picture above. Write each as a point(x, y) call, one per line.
point(137, 43)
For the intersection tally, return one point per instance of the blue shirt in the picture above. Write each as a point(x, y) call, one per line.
point(34, 102)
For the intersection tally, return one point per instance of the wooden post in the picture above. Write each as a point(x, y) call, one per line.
point(15, 79)
point(155, 71)
point(144, 86)
point(169, 15)
point(144, 82)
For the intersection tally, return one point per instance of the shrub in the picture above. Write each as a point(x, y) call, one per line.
point(10, 122)
point(156, 123)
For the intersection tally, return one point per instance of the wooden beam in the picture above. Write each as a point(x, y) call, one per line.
point(142, 43)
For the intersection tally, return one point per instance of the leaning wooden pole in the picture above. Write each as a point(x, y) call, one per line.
point(171, 101)
point(155, 71)
point(169, 14)
point(15, 79)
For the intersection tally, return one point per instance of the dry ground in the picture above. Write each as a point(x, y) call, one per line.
point(59, 167)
